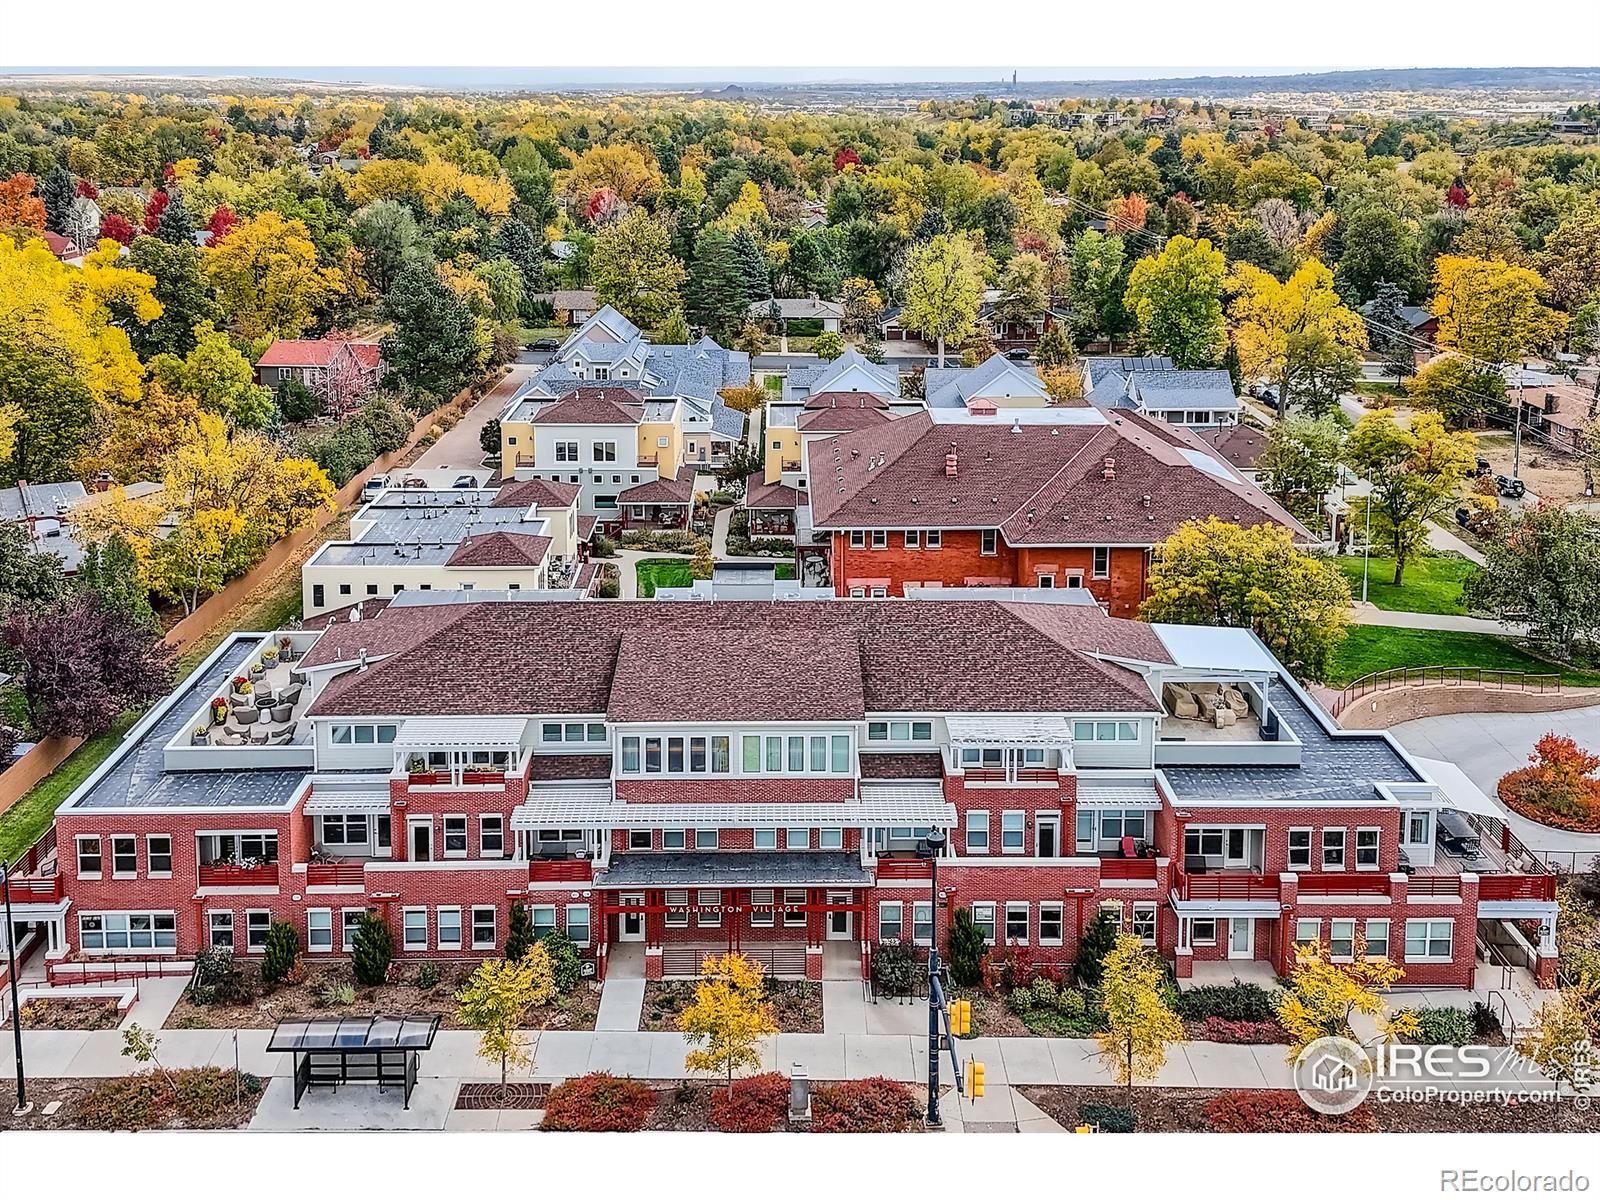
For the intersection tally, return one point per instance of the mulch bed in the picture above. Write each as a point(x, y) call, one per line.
point(796, 1004)
point(80, 1012)
point(1182, 1110)
point(71, 1093)
point(405, 997)
point(515, 1096)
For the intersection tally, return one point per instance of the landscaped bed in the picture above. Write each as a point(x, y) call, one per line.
point(601, 1103)
point(190, 1098)
point(1369, 648)
point(416, 992)
point(70, 1012)
point(663, 572)
point(796, 1004)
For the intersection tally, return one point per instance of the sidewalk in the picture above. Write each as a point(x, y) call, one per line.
point(1368, 614)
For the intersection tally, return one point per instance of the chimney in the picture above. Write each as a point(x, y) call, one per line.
point(1109, 470)
point(103, 481)
point(950, 464)
point(361, 659)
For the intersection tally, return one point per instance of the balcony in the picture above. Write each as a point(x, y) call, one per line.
point(237, 875)
point(1225, 887)
point(904, 868)
point(342, 875)
point(36, 890)
point(649, 460)
point(1374, 884)
point(1517, 887)
point(790, 464)
point(560, 870)
point(1128, 869)
point(1434, 885)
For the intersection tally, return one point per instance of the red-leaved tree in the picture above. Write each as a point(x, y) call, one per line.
point(223, 220)
point(117, 227)
point(845, 158)
point(153, 208)
point(1560, 788)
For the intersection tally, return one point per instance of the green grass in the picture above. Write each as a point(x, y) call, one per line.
point(784, 570)
point(773, 383)
point(268, 608)
point(25, 822)
point(663, 572)
point(1370, 387)
point(1432, 583)
point(1369, 648)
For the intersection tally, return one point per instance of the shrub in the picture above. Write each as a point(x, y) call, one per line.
point(1098, 941)
point(1485, 1024)
point(374, 949)
point(336, 993)
point(1231, 1001)
point(1008, 967)
point(1561, 787)
point(1108, 1118)
point(600, 546)
point(967, 949)
point(218, 979)
point(193, 1096)
point(599, 1103)
point(428, 976)
point(1444, 1026)
point(1278, 1112)
point(675, 541)
point(610, 588)
point(757, 1105)
point(872, 1105)
point(895, 967)
point(283, 948)
point(1051, 1010)
point(563, 959)
point(1239, 1033)
point(519, 936)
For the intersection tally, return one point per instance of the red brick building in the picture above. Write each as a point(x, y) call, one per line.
point(1035, 498)
point(697, 777)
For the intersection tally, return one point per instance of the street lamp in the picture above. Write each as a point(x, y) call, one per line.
point(1366, 550)
point(23, 1108)
point(930, 847)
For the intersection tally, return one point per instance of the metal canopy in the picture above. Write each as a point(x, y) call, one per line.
point(353, 1034)
point(578, 808)
point(1014, 729)
point(570, 807)
point(1133, 793)
point(474, 733)
point(323, 803)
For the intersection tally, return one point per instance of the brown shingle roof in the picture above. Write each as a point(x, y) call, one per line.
point(593, 406)
point(660, 491)
point(760, 494)
point(1240, 445)
point(547, 493)
point(501, 549)
point(741, 679)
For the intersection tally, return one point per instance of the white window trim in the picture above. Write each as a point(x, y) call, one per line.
point(483, 851)
point(444, 836)
point(992, 921)
point(77, 859)
point(254, 912)
point(900, 918)
point(439, 926)
point(1027, 922)
point(494, 915)
point(1428, 937)
point(969, 829)
point(1344, 849)
point(339, 929)
point(405, 940)
point(588, 935)
point(211, 931)
point(1061, 921)
point(152, 874)
point(111, 853)
point(1310, 848)
point(1014, 812)
point(1377, 833)
point(330, 947)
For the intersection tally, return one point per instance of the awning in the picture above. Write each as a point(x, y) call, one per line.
point(579, 807)
point(1459, 791)
point(593, 807)
point(321, 804)
point(745, 868)
point(353, 1034)
point(1132, 793)
point(1017, 729)
point(472, 733)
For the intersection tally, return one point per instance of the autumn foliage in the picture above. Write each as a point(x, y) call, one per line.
point(756, 1104)
point(871, 1105)
point(599, 1103)
point(1560, 788)
point(1279, 1112)
point(18, 205)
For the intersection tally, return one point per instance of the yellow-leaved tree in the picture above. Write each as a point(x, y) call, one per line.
point(728, 1018)
point(496, 1000)
point(1490, 309)
point(1139, 1024)
point(1560, 1040)
point(1298, 334)
point(267, 278)
point(1323, 996)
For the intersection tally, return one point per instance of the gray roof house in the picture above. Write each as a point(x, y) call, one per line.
point(1153, 387)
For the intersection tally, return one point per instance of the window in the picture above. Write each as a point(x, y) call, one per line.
point(819, 754)
point(1429, 941)
point(839, 754)
point(1050, 923)
point(449, 928)
point(1202, 843)
point(1418, 829)
point(977, 832)
point(934, 539)
point(705, 839)
point(544, 919)
point(1085, 831)
point(129, 931)
point(317, 598)
point(797, 754)
point(256, 924)
point(492, 835)
point(88, 856)
point(221, 929)
point(766, 839)
point(1144, 922)
point(566, 452)
point(988, 542)
point(1112, 910)
point(1118, 823)
point(858, 539)
point(605, 452)
point(761, 908)
point(794, 908)
point(372, 589)
point(880, 539)
point(578, 924)
point(455, 836)
point(319, 930)
point(913, 539)
point(922, 923)
point(483, 927)
point(983, 918)
point(1342, 938)
point(830, 839)
point(673, 839)
point(349, 922)
point(1011, 833)
point(639, 839)
point(1203, 931)
point(710, 914)
point(1105, 731)
point(1102, 563)
point(572, 731)
point(1047, 581)
point(344, 830)
point(678, 901)
point(1367, 849)
point(1377, 937)
point(344, 589)
point(797, 839)
point(1333, 849)
point(630, 756)
point(891, 914)
point(124, 857)
point(1307, 930)
point(1299, 849)
point(1017, 922)
point(414, 921)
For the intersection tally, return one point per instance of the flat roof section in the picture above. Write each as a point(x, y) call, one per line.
point(736, 869)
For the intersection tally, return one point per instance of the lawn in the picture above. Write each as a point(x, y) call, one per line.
point(663, 572)
point(1432, 583)
point(784, 570)
point(1369, 648)
point(25, 822)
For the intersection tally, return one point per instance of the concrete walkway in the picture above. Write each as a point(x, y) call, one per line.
point(1368, 614)
point(459, 446)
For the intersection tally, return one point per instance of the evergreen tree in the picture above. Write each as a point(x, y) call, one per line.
point(1386, 329)
point(753, 268)
point(716, 285)
point(111, 571)
point(283, 947)
point(967, 949)
point(435, 343)
point(183, 290)
point(518, 243)
point(58, 192)
point(519, 936)
point(1098, 941)
point(176, 226)
point(374, 949)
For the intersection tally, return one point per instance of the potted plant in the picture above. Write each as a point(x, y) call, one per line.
point(257, 670)
point(416, 765)
point(286, 649)
point(242, 688)
point(219, 710)
point(269, 656)
point(202, 736)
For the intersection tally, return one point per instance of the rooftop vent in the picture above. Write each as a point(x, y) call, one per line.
point(1109, 470)
point(950, 464)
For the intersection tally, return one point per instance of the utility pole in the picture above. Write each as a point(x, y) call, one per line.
point(1516, 437)
point(1366, 549)
point(22, 1108)
point(930, 848)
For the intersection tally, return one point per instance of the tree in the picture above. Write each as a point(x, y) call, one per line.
point(633, 269)
point(943, 289)
point(1139, 1025)
point(1543, 568)
point(1210, 572)
point(1460, 390)
point(1560, 1040)
point(81, 665)
point(57, 191)
point(221, 379)
point(267, 279)
point(1098, 940)
point(1570, 261)
point(281, 953)
point(755, 273)
point(1559, 787)
point(110, 572)
point(387, 234)
point(181, 288)
point(967, 948)
point(496, 1000)
point(1175, 299)
point(863, 306)
point(565, 965)
point(1298, 334)
point(373, 949)
point(743, 461)
point(28, 578)
point(519, 932)
point(19, 207)
point(1097, 281)
point(1323, 996)
point(176, 225)
point(1379, 247)
point(1387, 331)
point(828, 345)
point(1055, 351)
point(436, 344)
point(1024, 290)
point(717, 297)
point(139, 1044)
point(1300, 464)
point(1415, 474)
point(1490, 310)
point(728, 1017)
point(526, 251)
point(489, 436)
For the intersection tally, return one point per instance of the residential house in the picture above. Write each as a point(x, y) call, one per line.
point(827, 315)
point(341, 371)
point(1153, 387)
point(571, 307)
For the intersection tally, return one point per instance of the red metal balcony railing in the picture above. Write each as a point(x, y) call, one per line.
point(1344, 885)
point(483, 777)
point(1517, 887)
point(1433, 885)
point(904, 868)
point(1022, 775)
point(350, 874)
point(561, 870)
point(33, 858)
point(36, 890)
point(1226, 887)
point(232, 875)
point(427, 778)
point(1128, 868)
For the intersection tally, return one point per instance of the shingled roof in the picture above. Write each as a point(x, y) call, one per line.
point(660, 491)
point(1124, 482)
point(593, 406)
point(547, 493)
point(501, 549)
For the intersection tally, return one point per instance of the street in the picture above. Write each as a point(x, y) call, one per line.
point(459, 447)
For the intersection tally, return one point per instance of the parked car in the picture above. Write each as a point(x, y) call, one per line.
point(1269, 397)
point(465, 481)
point(1513, 489)
point(1017, 354)
point(1483, 468)
point(1463, 517)
point(542, 344)
point(373, 486)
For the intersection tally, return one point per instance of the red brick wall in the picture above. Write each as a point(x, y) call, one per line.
point(1278, 822)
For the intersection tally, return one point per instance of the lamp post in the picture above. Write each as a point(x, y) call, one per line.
point(23, 1108)
point(1366, 549)
point(930, 848)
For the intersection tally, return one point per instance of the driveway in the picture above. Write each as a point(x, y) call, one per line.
point(1487, 745)
point(459, 447)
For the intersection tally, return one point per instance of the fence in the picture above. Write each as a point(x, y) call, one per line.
point(1397, 677)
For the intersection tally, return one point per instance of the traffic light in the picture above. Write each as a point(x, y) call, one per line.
point(974, 1087)
point(960, 1018)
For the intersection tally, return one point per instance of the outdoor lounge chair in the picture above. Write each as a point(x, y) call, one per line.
point(1181, 703)
point(282, 713)
point(1237, 702)
point(259, 735)
point(281, 737)
point(245, 715)
point(291, 695)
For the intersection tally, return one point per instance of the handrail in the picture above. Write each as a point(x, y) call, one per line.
point(1393, 677)
point(1508, 1023)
